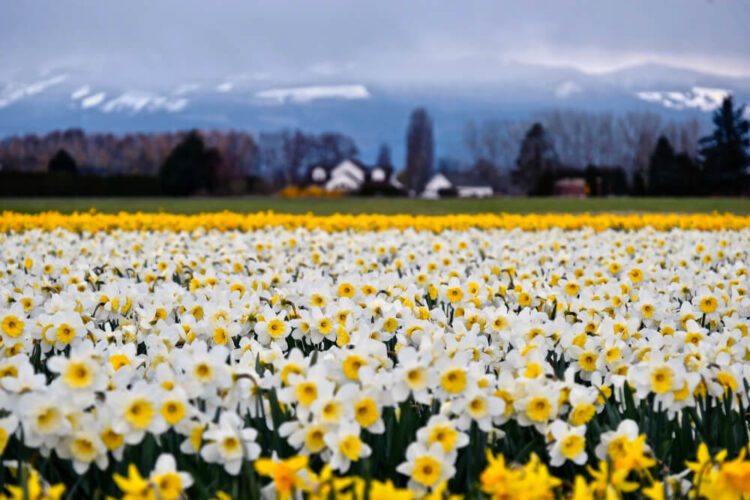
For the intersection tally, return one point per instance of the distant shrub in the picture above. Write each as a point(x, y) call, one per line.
point(308, 192)
point(64, 184)
point(62, 162)
point(290, 192)
point(188, 168)
point(380, 189)
point(450, 192)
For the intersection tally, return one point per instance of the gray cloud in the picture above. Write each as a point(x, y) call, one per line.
point(174, 42)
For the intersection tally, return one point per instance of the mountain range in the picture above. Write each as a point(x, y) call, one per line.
point(371, 111)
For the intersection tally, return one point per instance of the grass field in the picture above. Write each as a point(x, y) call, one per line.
point(378, 205)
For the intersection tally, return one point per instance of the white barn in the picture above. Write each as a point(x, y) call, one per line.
point(465, 185)
point(348, 176)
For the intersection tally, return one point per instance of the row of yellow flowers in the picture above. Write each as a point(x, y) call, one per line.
point(712, 478)
point(93, 221)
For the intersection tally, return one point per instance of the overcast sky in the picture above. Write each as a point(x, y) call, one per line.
point(169, 42)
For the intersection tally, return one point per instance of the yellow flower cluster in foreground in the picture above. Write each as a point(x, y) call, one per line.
point(225, 221)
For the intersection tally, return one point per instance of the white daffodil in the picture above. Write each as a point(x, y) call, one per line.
point(612, 443)
point(426, 467)
point(136, 412)
point(272, 328)
point(440, 429)
point(229, 443)
point(345, 446)
point(80, 373)
point(568, 443)
point(171, 483)
point(84, 446)
point(413, 376)
point(478, 406)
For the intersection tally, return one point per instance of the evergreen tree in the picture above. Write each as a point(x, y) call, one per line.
point(639, 185)
point(188, 167)
point(662, 175)
point(724, 153)
point(419, 150)
point(690, 174)
point(671, 174)
point(537, 162)
point(384, 156)
point(62, 162)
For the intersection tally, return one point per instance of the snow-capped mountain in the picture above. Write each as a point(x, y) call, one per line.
point(702, 98)
point(370, 111)
point(312, 93)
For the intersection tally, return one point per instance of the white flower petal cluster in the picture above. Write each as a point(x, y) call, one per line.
point(108, 338)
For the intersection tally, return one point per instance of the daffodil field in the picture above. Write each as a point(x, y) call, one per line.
point(155, 356)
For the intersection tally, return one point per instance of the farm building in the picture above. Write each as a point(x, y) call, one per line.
point(461, 184)
point(351, 176)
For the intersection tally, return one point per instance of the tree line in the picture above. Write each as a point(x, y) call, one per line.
point(636, 153)
point(186, 162)
point(108, 154)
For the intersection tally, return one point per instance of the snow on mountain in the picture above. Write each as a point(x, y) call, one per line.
point(80, 92)
point(93, 100)
point(186, 88)
point(371, 111)
point(311, 93)
point(567, 89)
point(135, 101)
point(701, 98)
point(14, 91)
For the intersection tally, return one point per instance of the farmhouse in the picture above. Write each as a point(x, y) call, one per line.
point(384, 177)
point(350, 176)
point(461, 184)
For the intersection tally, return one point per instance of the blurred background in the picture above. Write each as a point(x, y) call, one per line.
point(376, 98)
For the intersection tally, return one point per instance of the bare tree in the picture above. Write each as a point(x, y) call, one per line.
point(582, 138)
point(684, 136)
point(495, 142)
point(639, 131)
point(537, 162)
